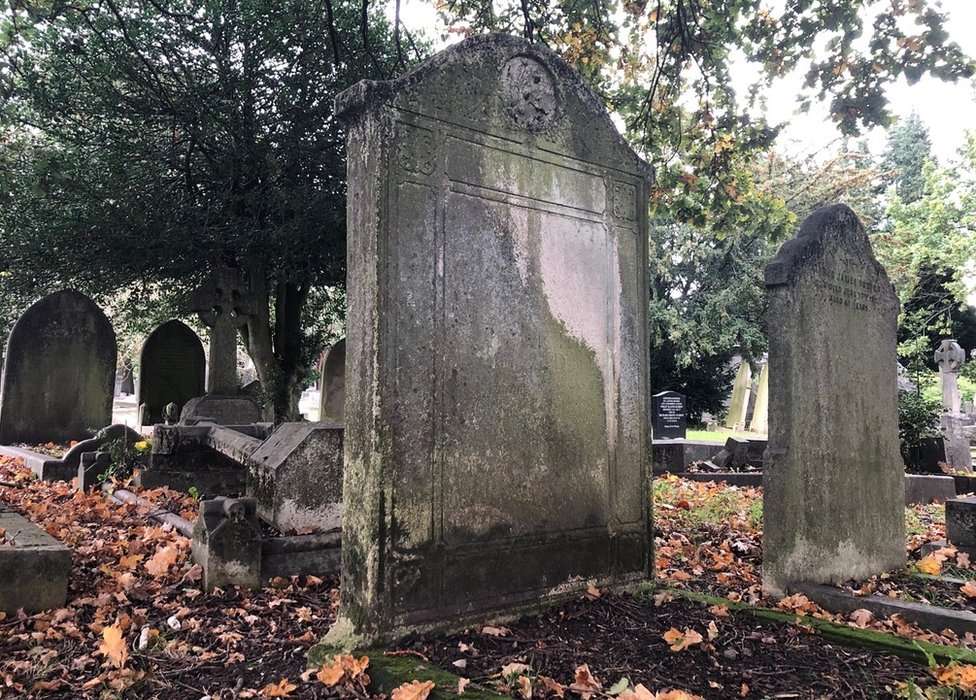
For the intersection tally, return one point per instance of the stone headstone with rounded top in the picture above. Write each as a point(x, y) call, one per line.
point(172, 369)
point(332, 372)
point(58, 372)
point(833, 478)
point(496, 437)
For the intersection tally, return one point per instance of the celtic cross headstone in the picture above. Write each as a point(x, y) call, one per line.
point(950, 358)
point(221, 303)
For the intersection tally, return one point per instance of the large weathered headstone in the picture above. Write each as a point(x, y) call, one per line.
point(172, 367)
point(58, 372)
point(760, 412)
point(496, 419)
point(332, 384)
point(833, 496)
point(669, 416)
point(739, 404)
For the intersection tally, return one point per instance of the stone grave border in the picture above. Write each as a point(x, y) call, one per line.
point(65, 468)
point(34, 572)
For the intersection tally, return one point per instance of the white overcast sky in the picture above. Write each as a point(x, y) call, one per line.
point(948, 109)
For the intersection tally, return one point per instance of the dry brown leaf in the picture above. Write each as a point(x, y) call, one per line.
point(719, 611)
point(712, 630)
point(515, 669)
point(525, 687)
point(962, 560)
point(584, 682)
point(495, 631)
point(961, 676)
point(676, 695)
point(113, 646)
point(680, 641)
point(414, 690)
point(593, 592)
point(553, 686)
point(969, 589)
point(281, 689)
point(861, 617)
point(639, 692)
point(744, 690)
point(929, 565)
point(331, 673)
point(462, 684)
point(164, 558)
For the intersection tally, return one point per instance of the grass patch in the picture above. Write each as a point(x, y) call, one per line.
point(720, 436)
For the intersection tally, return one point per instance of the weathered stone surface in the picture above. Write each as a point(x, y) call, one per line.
point(950, 357)
point(669, 416)
point(227, 543)
point(833, 497)
point(956, 441)
point(760, 412)
point(961, 521)
point(496, 423)
point(296, 476)
point(735, 419)
point(223, 305)
point(34, 571)
point(58, 371)
point(333, 383)
point(928, 488)
point(172, 369)
point(222, 410)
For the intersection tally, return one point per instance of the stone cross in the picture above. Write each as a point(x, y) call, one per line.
point(950, 357)
point(221, 303)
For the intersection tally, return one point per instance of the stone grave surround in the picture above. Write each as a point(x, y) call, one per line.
point(332, 382)
point(58, 371)
point(834, 487)
point(172, 368)
point(496, 418)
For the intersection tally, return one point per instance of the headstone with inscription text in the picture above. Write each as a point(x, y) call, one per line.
point(833, 480)
point(669, 416)
point(496, 343)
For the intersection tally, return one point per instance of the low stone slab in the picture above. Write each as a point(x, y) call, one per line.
point(65, 468)
point(222, 410)
point(34, 569)
point(931, 617)
point(731, 478)
point(925, 488)
point(676, 455)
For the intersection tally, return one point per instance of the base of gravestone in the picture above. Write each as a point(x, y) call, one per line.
point(222, 410)
point(928, 488)
point(676, 455)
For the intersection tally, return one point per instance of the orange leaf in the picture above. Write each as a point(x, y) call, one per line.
point(957, 675)
point(719, 611)
point(525, 687)
point(281, 689)
point(969, 589)
point(331, 674)
point(164, 558)
point(640, 692)
point(929, 565)
point(584, 682)
point(113, 646)
point(414, 690)
point(680, 641)
point(462, 684)
point(557, 689)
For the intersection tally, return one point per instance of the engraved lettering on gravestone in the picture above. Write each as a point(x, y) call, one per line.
point(528, 92)
point(624, 201)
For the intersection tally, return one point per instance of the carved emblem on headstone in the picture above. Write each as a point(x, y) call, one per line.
point(528, 93)
point(949, 356)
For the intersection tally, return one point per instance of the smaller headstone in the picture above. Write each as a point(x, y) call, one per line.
point(960, 516)
point(92, 465)
point(332, 368)
point(956, 441)
point(58, 372)
point(760, 412)
point(227, 543)
point(739, 406)
point(172, 370)
point(669, 415)
point(950, 358)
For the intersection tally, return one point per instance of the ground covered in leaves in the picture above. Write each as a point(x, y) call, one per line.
point(138, 625)
point(665, 646)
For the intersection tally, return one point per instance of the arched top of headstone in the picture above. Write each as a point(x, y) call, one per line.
point(173, 327)
point(831, 226)
point(504, 86)
point(63, 304)
point(949, 355)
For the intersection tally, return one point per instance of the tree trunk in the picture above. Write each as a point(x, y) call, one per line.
point(276, 352)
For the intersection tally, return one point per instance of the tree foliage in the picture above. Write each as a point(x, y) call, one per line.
point(908, 150)
point(147, 142)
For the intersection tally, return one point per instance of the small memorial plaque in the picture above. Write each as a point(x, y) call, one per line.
point(669, 415)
